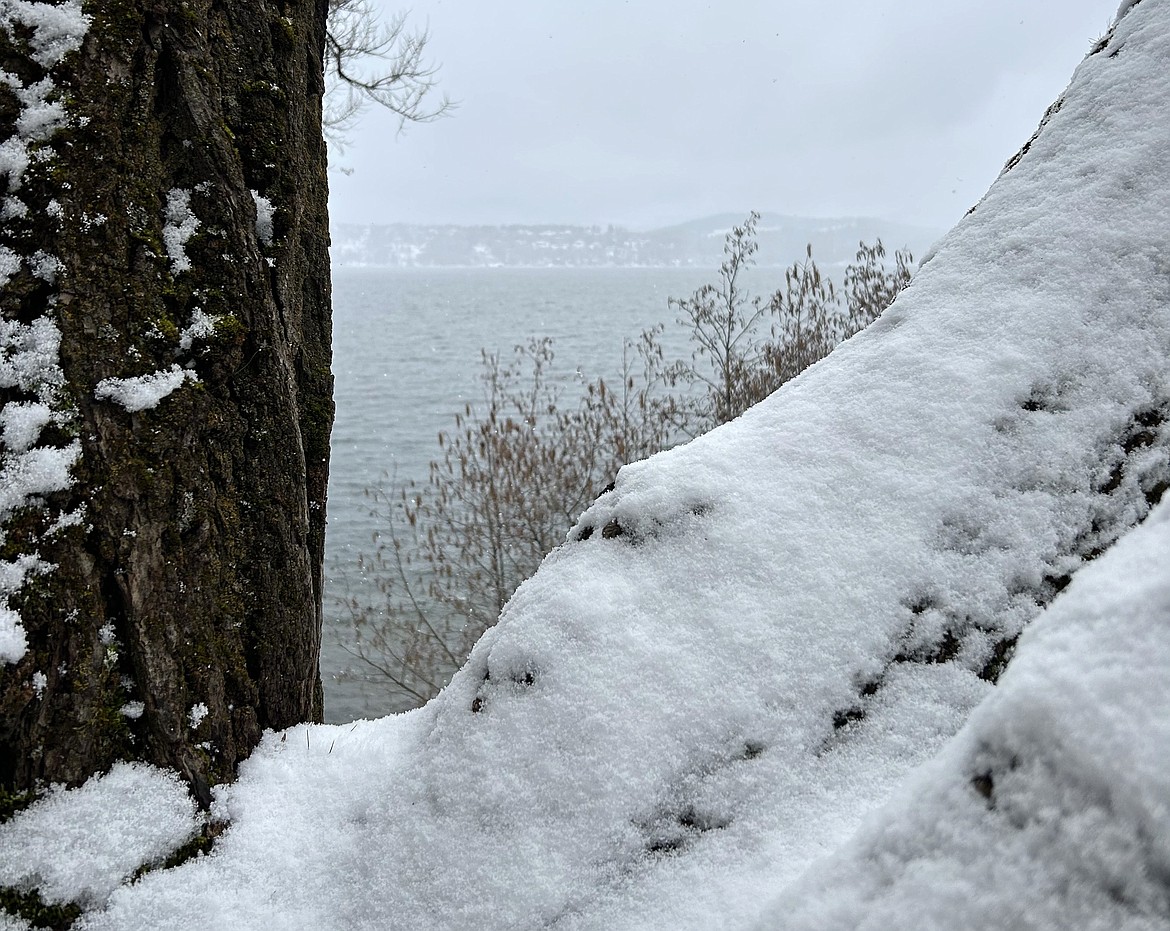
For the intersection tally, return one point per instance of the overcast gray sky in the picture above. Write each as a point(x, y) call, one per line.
point(649, 112)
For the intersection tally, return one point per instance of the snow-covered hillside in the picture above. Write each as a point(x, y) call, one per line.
point(756, 687)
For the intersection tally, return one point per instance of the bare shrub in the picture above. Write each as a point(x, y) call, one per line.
point(517, 469)
point(512, 476)
point(746, 347)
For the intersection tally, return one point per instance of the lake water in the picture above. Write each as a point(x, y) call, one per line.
point(406, 346)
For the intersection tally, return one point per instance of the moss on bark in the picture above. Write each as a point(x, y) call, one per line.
point(195, 576)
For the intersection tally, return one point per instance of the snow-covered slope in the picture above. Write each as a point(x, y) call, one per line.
point(1051, 809)
point(749, 645)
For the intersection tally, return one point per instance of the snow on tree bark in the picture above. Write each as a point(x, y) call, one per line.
point(164, 358)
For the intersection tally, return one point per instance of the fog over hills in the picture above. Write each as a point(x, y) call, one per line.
point(697, 243)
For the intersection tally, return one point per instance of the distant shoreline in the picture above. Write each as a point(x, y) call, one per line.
point(782, 240)
point(336, 266)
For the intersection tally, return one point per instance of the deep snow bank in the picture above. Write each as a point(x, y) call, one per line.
point(675, 718)
point(1049, 810)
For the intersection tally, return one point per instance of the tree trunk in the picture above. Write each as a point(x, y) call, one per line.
point(163, 597)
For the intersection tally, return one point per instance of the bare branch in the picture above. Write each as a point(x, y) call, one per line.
point(371, 61)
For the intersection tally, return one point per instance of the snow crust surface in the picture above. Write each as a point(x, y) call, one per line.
point(57, 28)
point(143, 392)
point(27, 473)
point(767, 699)
point(1050, 809)
point(202, 326)
point(79, 845)
point(265, 218)
point(54, 30)
point(181, 224)
point(29, 351)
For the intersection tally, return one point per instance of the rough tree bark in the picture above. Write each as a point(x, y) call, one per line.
point(171, 224)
